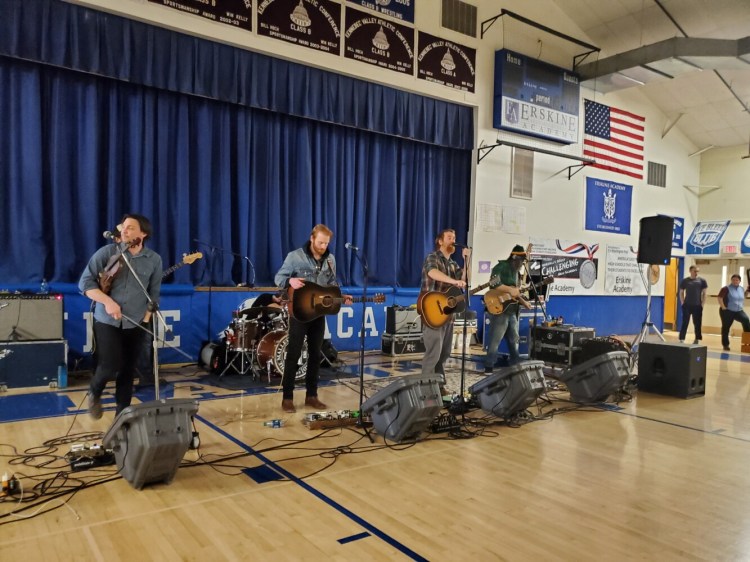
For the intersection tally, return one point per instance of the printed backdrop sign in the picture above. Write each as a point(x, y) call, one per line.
point(311, 23)
point(745, 244)
point(397, 9)
point(572, 264)
point(608, 206)
point(378, 42)
point(625, 276)
point(232, 12)
point(446, 62)
point(706, 237)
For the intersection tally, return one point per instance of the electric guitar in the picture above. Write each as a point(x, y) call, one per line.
point(496, 302)
point(436, 307)
point(312, 301)
point(187, 259)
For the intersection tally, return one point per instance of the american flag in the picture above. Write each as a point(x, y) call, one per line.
point(614, 139)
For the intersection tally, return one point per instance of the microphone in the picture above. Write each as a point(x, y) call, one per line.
point(350, 246)
point(108, 235)
point(457, 245)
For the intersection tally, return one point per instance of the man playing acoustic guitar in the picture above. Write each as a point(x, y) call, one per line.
point(440, 273)
point(120, 302)
point(314, 263)
point(506, 323)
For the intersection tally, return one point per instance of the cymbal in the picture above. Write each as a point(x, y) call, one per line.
point(255, 311)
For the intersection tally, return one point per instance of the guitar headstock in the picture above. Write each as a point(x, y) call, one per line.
point(190, 258)
point(379, 298)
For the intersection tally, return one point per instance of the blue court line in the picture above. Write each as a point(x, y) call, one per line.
point(353, 538)
point(717, 432)
point(320, 495)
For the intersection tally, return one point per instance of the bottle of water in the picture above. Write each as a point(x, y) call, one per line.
point(44, 287)
point(62, 375)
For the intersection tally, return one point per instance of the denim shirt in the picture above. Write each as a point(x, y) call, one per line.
point(125, 289)
point(301, 263)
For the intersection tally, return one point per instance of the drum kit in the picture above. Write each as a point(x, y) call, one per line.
point(255, 343)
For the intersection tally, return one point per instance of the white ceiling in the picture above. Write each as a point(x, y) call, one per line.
point(711, 113)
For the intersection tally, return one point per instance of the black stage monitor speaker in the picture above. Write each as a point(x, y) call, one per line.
point(510, 390)
point(655, 240)
point(406, 407)
point(674, 369)
point(598, 378)
point(150, 439)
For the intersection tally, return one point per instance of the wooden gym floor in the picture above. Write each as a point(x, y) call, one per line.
point(654, 478)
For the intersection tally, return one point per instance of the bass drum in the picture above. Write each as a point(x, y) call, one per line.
point(213, 357)
point(272, 354)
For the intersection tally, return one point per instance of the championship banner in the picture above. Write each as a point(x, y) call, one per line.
point(232, 12)
point(446, 62)
point(397, 9)
point(626, 277)
point(706, 237)
point(608, 206)
point(310, 23)
point(379, 42)
point(572, 264)
point(678, 231)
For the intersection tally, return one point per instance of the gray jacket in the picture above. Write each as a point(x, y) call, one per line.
point(301, 263)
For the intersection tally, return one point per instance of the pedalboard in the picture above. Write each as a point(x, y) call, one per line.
point(83, 456)
point(445, 423)
point(333, 419)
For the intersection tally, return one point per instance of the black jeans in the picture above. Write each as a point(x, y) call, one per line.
point(727, 319)
point(315, 332)
point(117, 352)
point(696, 311)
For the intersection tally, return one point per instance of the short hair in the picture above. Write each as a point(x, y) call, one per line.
point(143, 223)
point(737, 275)
point(321, 229)
point(692, 267)
point(440, 236)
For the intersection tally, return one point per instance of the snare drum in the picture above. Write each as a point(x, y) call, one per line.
point(272, 354)
point(244, 332)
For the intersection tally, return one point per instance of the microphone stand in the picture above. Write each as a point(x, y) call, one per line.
point(538, 304)
point(462, 406)
point(360, 421)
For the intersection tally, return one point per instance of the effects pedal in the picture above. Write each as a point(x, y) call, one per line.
point(83, 456)
point(445, 423)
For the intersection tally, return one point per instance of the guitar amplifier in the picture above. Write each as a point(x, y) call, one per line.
point(400, 320)
point(31, 317)
point(31, 363)
point(401, 344)
point(559, 345)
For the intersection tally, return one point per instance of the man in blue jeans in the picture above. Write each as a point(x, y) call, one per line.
point(506, 323)
point(692, 298)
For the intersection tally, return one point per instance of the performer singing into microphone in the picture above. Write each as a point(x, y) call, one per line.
point(118, 338)
point(506, 323)
point(439, 273)
point(312, 262)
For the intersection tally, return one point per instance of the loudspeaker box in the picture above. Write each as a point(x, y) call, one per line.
point(674, 369)
point(655, 240)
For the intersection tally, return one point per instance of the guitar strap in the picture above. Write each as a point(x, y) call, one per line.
point(333, 270)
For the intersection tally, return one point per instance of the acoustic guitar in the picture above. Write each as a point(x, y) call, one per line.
point(436, 307)
point(497, 302)
point(312, 301)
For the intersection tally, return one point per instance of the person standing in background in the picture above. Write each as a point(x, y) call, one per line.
point(731, 298)
point(692, 298)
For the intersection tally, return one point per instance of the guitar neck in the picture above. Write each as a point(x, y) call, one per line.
point(172, 269)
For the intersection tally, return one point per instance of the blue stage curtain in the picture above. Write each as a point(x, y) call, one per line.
point(77, 150)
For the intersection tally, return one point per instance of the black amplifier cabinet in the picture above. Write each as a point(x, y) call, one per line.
point(397, 344)
point(674, 369)
point(559, 345)
point(402, 321)
point(31, 317)
point(32, 363)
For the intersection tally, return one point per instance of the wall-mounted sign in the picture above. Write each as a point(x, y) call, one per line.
point(311, 23)
point(398, 9)
point(706, 237)
point(608, 206)
point(232, 12)
point(446, 62)
point(379, 42)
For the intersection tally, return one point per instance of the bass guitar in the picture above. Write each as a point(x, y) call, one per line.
point(312, 301)
point(436, 307)
point(497, 302)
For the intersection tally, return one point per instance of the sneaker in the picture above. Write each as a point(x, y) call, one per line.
point(696, 342)
point(95, 407)
point(288, 406)
point(726, 348)
point(682, 341)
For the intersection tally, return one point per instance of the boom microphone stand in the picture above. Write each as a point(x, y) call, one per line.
point(461, 405)
point(363, 262)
